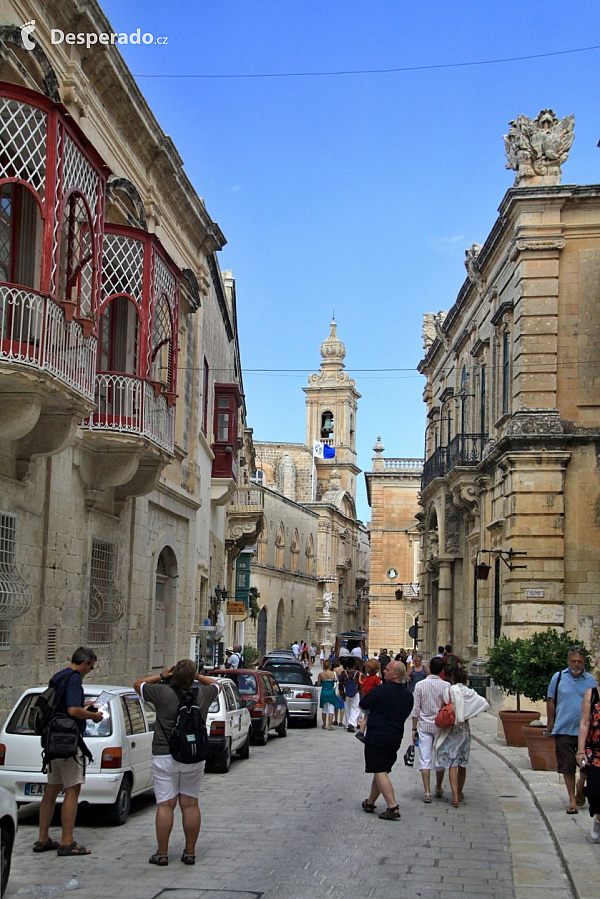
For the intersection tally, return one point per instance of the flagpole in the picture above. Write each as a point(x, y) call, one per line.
point(312, 485)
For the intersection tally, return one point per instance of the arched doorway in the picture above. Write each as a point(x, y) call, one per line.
point(261, 632)
point(164, 608)
point(279, 625)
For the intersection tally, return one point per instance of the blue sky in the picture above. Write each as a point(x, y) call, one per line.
point(358, 193)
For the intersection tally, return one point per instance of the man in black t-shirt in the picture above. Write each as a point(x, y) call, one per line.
point(389, 706)
point(68, 773)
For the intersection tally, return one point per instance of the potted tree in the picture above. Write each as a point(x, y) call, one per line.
point(539, 657)
point(503, 668)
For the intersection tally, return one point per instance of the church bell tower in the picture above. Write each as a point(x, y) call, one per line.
point(331, 406)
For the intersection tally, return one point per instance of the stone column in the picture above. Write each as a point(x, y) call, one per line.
point(445, 604)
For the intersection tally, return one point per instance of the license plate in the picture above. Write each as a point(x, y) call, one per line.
point(35, 789)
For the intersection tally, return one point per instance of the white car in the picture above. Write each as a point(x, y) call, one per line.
point(229, 727)
point(121, 745)
point(8, 829)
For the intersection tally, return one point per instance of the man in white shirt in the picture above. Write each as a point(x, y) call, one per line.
point(296, 649)
point(235, 659)
point(428, 695)
point(356, 652)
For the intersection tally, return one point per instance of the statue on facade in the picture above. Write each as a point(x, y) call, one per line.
point(327, 600)
point(432, 327)
point(537, 148)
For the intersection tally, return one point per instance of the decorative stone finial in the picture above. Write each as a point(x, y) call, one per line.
point(335, 479)
point(378, 458)
point(537, 148)
point(378, 447)
point(333, 349)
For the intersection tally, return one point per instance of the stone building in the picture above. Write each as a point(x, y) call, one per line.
point(513, 434)
point(315, 497)
point(393, 488)
point(121, 407)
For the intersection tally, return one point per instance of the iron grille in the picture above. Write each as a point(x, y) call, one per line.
point(106, 602)
point(161, 343)
point(122, 266)
point(16, 597)
point(76, 253)
point(79, 173)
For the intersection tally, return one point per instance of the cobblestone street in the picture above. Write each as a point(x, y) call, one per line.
point(287, 823)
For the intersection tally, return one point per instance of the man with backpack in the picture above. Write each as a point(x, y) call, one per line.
point(451, 663)
point(179, 750)
point(68, 773)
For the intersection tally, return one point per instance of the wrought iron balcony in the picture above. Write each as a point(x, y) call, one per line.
point(463, 450)
point(127, 405)
point(35, 333)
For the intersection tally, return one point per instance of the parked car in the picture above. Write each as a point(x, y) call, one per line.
point(278, 654)
point(121, 745)
point(229, 726)
point(263, 698)
point(8, 829)
point(299, 690)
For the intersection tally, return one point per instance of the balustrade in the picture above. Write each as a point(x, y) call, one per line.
point(463, 450)
point(128, 405)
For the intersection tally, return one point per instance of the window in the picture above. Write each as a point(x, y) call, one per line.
point(75, 277)
point(16, 597)
point(483, 400)
point(119, 336)
point(106, 603)
point(133, 715)
point(259, 477)
point(464, 378)
point(310, 555)
point(205, 395)
point(162, 344)
point(20, 236)
point(497, 600)
point(295, 550)
point(279, 546)
point(505, 372)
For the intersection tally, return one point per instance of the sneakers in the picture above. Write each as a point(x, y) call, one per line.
point(595, 831)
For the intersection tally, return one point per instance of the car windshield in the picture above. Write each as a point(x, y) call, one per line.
point(19, 721)
point(290, 674)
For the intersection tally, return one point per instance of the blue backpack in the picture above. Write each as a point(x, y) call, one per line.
point(350, 685)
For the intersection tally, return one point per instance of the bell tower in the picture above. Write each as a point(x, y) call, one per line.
point(331, 406)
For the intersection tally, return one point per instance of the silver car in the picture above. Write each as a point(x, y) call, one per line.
point(8, 829)
point(298, 688)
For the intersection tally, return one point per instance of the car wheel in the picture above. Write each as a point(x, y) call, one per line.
point(281, 731)
point(263, 737)
point(223, 762)
point(6, 847)
point(118, 812)
point(244, 750)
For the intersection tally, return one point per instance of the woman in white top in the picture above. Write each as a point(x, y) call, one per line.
point(452, 744)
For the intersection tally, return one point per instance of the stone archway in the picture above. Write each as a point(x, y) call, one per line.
point(261, 632)
point(279, 625)
point(165, 609)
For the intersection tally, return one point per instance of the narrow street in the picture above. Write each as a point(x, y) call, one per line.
point(287, 823)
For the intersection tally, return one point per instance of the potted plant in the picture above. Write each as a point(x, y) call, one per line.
point(87, 320)
point(69, 308)
point(503, 668)
point(539, 657)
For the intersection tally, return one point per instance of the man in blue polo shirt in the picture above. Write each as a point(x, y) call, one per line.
point(563, 706)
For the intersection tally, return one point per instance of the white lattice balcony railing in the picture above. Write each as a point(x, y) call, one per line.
point(127, 405)
point(34, 332)
point(403, 464)
point(247, 499)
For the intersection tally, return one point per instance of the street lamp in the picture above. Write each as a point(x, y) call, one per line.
point(482, 569)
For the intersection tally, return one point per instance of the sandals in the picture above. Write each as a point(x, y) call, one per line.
point(188, 858)
point(367, 807)
point(157, 859)
point(391, 814)
point(439, 792)
point(427, 797)
point(73, 849)
point(48, 846)
point(359, 736)
point(572, 810)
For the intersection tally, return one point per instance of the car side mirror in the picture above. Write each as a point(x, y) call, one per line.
point(249, 703)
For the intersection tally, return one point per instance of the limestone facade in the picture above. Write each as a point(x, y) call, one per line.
point(513, 434)
point(393, 488)
point(121, 400)
point(324, 491)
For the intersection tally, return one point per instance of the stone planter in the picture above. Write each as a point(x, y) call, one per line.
point(512, 724)
point(541, 749)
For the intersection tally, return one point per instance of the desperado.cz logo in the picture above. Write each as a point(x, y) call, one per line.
point(90, 38)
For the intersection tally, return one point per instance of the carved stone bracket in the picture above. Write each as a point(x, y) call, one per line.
point(452, 518)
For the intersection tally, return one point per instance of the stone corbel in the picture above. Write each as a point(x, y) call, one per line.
point(465, 495)
point(52, 433)
point(143, 482)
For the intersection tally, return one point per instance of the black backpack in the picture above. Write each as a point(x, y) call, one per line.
point(188, 741)
point(45, 705)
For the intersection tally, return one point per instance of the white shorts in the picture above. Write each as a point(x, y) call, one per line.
point(328, 709)
point(172, 778)
point(426, 751)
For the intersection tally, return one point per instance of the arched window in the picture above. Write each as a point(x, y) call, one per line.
point(295, 550)
point(279, 625)
point(164, 607)
point(76, 271)
point(279, 546)
point(326, 425)
point(505, 372)
point(119, 336)
point(259, 477)
point(464, 377)
point(310, 555)
point(20, 236)
point(162, 343)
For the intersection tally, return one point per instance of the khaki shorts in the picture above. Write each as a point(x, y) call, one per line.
point(68, 772)
point(565, 747)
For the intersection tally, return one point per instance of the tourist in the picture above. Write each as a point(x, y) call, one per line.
point(328, 699)
point(417, 672)
point(428, 695)
point(588, 750)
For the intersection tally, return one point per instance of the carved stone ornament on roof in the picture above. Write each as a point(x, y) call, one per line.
point(473, 273)
point(536, 148)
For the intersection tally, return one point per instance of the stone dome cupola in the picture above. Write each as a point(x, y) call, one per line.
point(332, 349)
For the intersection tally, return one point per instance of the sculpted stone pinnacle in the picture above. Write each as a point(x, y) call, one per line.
point(536, 148)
